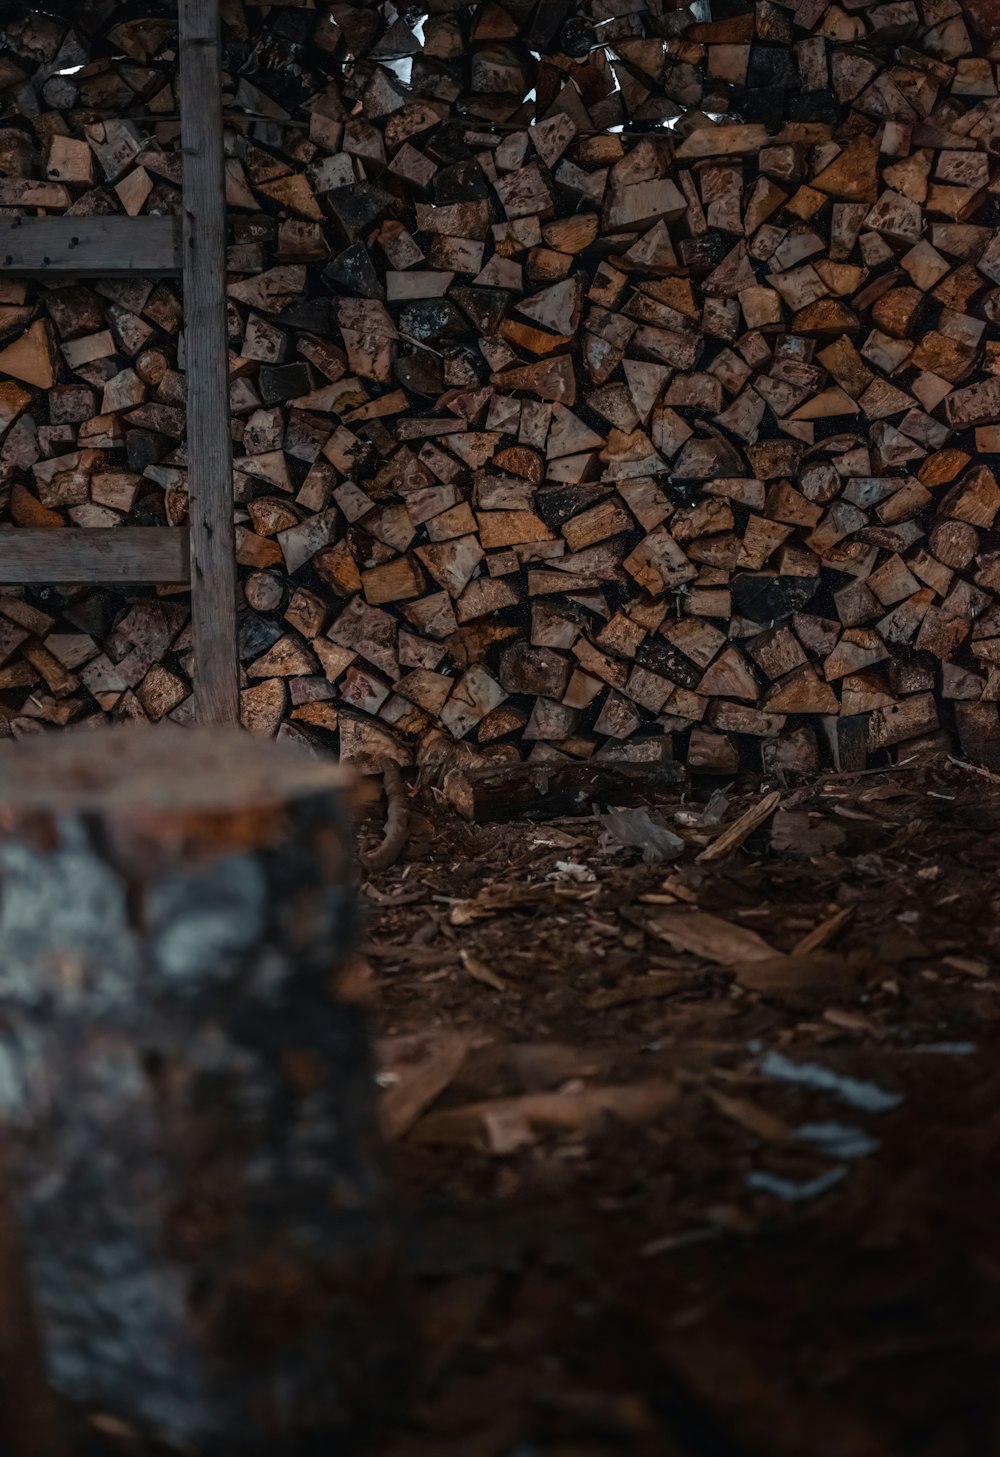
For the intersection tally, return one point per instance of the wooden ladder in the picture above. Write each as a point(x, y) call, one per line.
point(192, 247)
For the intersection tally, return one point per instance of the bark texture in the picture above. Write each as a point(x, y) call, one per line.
point(188, 1109)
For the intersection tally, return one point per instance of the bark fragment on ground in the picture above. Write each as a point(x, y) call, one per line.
point(706, 1160)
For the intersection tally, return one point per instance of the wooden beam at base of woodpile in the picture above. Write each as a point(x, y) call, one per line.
point(544, 791)
point(594, 379)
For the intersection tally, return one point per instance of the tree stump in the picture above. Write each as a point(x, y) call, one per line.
point(190, 1133)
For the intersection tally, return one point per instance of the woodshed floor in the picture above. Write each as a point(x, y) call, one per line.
point(700, 1158)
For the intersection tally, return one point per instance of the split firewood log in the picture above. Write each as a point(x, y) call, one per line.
point(661, 345)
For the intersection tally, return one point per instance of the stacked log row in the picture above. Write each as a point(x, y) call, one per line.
point(606, 379)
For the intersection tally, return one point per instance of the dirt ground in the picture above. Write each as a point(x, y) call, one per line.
point(700, 1159)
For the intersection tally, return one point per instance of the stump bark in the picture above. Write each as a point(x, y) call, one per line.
point(188, 1112)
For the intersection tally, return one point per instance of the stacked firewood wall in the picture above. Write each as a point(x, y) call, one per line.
point(608, 377)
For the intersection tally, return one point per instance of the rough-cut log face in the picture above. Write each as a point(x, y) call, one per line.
point(552, 329)
point(187, 1112)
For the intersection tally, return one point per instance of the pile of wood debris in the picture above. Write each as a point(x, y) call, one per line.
point(601, 371)
point(699, 1153)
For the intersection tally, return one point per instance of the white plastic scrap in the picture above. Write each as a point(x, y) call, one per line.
point(790, 1190)
point(946, 1049)
point(857, 1094)
point(709, 817)
point(570, 870)
point(636, 827)
point(715, 810)
point(837, 1140)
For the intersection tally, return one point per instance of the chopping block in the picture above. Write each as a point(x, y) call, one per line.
point(187, 1112)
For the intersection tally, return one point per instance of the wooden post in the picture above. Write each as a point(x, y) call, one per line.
point(210, 468)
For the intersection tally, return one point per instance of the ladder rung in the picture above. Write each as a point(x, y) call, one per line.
point(107, 556)
point(91, 247)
